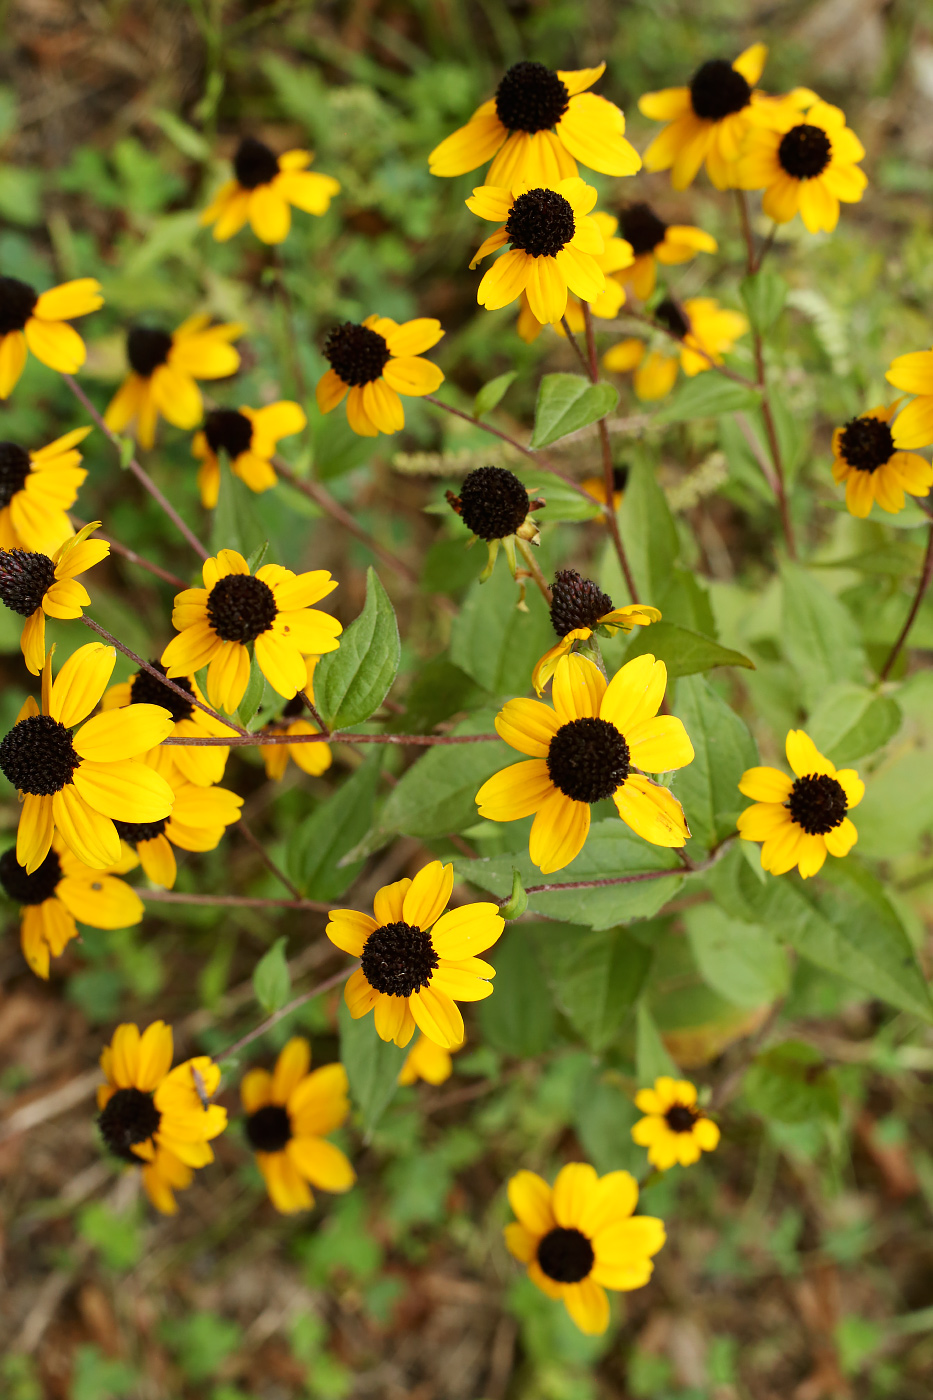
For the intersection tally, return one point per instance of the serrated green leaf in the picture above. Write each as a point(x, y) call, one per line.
point(709, 395)
point(595, 977)
point(372, 1065)
point(351, 683)
point(518, 1018)
point(724, 748)
point(742, 962)
point(850, 721)
point(568, 402)
point(683, 652)
point(764, 293)
point(271, 978)
point(320, 841)
point(492, 393)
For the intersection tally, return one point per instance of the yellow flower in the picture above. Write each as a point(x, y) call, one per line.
point(552, 242)
point(579, 607)
point(595, 486)
point(417, 961)
point(914, 374)
point(867, 458)
point(200, 765)
point(805, 162)
point(250, 438)
point(798, 821)
point(36, 586)
point(652, 242)
point(272, 609)
point(428, 1061)
point(581, 1237)
point(313, 759)
point(538, 125)
point(590, 747)
point(38, 321)
point(198, 819)
point(706, 121)
point(80, 783)
point(264, 187)
point(163, 371)
point(288, 1114)
point(36, 489)
point(154, 1116)
point(674, 1130)
point(374, 363)
point(61, 890)
point(707, 332)
point(616, 256)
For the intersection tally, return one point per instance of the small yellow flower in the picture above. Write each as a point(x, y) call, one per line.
point(579, 608)
point(538, 125)
point(373, 364)
point(250, 439)
point(164, 369)
point(36, 586)
point(417, 961)
point(707, 332)
point(199, 765)
point(805, 161)
point(38, 321)
point(799, 820)
point(581, 1237)
point(868, 458)
point(675, 1129)
point(914, 374)
point(653, 241)
point(36, 489)
point(289, 1113)
point(264, 187)
point(428, 1061)
point(313, 759)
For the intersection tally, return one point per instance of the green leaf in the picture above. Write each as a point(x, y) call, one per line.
point(650, 536)
point(897, 809)
point(373, 1065)
point(253, 695)
point(495, 643)
point(516, 905)
point(603, 1121)
point(518, 1018)
point(234, 523)
point(318, 843)
point(651, 1057)
point(568, 402)
point(792, 1084)
point(492, 393)
point(352, 682)
point(708, 787)
point(563, 502)
point(743, 962)
point(271, 978)
point(190, 142)
point(764, 293)
point(595, 977)
point(709, 395)
point(819, 634)
point(683, 652)
point(337, 448)
point(850, 720)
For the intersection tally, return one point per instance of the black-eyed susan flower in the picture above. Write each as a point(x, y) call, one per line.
point(372, 364)
point(164, 370)
point(868, 458)
point(36, 489)
point(249, 437)
point(594, 744)
point(581, 1237)
point(80, 783)
point(805, 162)
point(156, 1117)
point(707, 331)
point(674, 1128)
point(652, 242)
point(289, 1114)
point(263, 188)
point(552, 242)
point(428, 1061)
point(595, 486)
point(37, 586)
point(799, 819)
point(62, 890)
point(202, 765)
point(38, 321)
point(416, 961)
point(914, 374)
point(199, 817)
point(579, 608)
point(271, 608)
point(705, 121)
point(538, 125)
point(496, 507)
point(616, 256)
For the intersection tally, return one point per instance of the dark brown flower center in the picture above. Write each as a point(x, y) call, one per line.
point(17, 302)
point(576, 602)
point(356, 353)
point(540, 223)
point(619, 478)
point(673, 317)
point(147, 348)
point(128, 1118)
point(805, 151)
point(565, 1255)
point(241, 608)
point(817, 803)
point(493, 503)
point(254, 164)
point(269, 1128)
point(642, 228)
point(29, 889)
point(135, 832)
point(718, 90)
point(146, 690)
point(15, 466)
point(37, 756)
point(398, 959)
point(226, 429)
point(588, 759)
point(866, 444)
point(24, 579)
point(680, 1119)
point(531, 97)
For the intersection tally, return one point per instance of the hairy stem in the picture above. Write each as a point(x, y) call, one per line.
point(233, 901)
point(238, 741)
